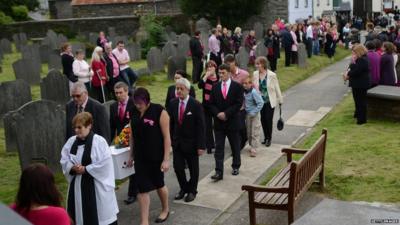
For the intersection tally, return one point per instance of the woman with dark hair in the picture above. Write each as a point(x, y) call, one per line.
point(272, 42)
point(67, 59)
point(88, 167)
point(388, 75)
point(210, 78)
point(38, 199)
point(101, 40)
point(151, 145)
point(171, 93)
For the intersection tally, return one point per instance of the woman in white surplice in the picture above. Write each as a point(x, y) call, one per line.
point(87, 164)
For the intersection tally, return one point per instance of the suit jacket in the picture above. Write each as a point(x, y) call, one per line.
point(190, 135)
point(195, 47)
point(98, 111)
point(359, 73)
point(286, 39)
point(230, 106)
point(171, 94)
point(116, 125)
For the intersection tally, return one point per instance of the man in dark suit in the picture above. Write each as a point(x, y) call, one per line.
point(287, 42)
point(81, 102)
point(172, 94)
point(197, 56)
point(187, 126)
point(120, 116)
point(225, 103)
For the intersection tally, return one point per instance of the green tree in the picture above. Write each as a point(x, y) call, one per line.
point(20, 12)
point(229, 12)
point(6, 5)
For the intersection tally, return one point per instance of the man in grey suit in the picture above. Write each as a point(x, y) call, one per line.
point(81, 102)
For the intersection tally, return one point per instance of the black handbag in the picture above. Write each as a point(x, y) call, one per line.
point(280, 123)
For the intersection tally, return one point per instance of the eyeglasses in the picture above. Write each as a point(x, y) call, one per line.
point(76, 96)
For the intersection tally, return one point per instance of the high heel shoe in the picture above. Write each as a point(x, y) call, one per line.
point(159, 220)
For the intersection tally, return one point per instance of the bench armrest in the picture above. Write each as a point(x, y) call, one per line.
point(260, 188)
point(290, 151)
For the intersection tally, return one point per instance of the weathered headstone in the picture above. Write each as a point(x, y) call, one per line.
point(10, 133)
point(168, 50)
point(107, 105)
point(5, 46)
point(93, 38)
point(155, 62)
point(52, 39)
point(26, 70)
point(261, 50)
point(32, 53)
point(203, 25)
point(172, 36)
point(116, 39)
point(175, 63)
point(61, 39)
point(242, 58)
point(44, 52)
point(55, 87)
point(141, 35)
point(204, 35)
point(134, 50)
point(302, 55)
point(19, 40)
point(54, 60)
point(183, 45)
point(259, 29)
point(244, 36)
point(13, 94)
point(111, 32)
point(41, 133)
point(76, 46)
point(142, 72)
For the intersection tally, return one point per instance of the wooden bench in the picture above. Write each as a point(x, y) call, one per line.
point(288, 186)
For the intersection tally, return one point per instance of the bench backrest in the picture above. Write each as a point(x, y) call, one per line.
point(304, 171)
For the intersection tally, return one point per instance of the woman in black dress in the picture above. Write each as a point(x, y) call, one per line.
point(151, 145)
point(67, 59)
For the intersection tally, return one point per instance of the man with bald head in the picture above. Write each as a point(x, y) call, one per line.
point(81, 102)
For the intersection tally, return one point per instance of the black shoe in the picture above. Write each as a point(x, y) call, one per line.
point(190, 197)
point(268, 143)
point(180, 195)
point(159, 220)
point(130, 200)
point(263, 142)
point(235, 172)
point(217, 177)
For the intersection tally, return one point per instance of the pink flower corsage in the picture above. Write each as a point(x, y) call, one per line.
point(151, 122)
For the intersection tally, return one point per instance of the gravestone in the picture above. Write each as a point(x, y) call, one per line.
point(168, 50)
point(93, 38)
point(172, 37)
point(76, 46)
point(54, 60)
point(52, 39)
point(107, 105)
point(183, 45)
point(55, 87)
point(5, 46)
point(31, 53)
point(20, 39)
point(175, 63)
point(10, 133)
point(142, 72)
point(155, 62)
point(13, 94)
point(44, 52)
point(115, 40)
point(111, 32)
point(61, 39)
point(204, 40)
point(141, 35)
point(203, 25)
point(259, 29)
point(242, 58)
point(41, 133)
point(26, 70)
point(302, 55)
point(261, 50)
point(244, 36)
point(134, 50)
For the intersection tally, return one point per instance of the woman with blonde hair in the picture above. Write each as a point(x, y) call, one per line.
point(100, 74)
point(237, 39)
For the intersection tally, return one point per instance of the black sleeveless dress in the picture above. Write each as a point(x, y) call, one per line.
point(148, 148)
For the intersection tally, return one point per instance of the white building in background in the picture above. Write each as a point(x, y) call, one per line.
point(43, 4)
point(320, 6)
point(299, 9)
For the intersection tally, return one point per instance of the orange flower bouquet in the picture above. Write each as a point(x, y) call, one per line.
point(122, 140)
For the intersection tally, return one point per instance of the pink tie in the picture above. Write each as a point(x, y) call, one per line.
point(121, 112)
point(181, 112)
point(224, 89)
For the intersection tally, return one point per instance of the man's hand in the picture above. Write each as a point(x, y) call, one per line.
point(200, 152)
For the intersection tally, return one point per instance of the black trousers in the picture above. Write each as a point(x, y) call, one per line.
point(309, 47)
point(294, 57)
point(217, 58)
point(243, 130)
point(192, 160)
point(132, 188)
point(98, 93)
point(197, 69)
point(273, 61)
point(267, 115)
point(234, 141)
point(288, 54)
point(360, 101)
point(210, 143)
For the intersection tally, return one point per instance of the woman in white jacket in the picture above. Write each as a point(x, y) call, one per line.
point(266, 82)
point(82, 69)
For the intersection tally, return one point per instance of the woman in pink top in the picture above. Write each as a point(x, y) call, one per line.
point(38, 199)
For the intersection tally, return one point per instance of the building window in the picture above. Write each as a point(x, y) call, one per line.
point(328, 2)
point(305, 3)
point(318, 2)
point(296, 3)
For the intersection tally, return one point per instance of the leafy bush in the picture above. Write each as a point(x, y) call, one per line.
point(4, 19)
point(20, 12)
point(155, 30)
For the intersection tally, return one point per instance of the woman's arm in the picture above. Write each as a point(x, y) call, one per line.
point(164, 124)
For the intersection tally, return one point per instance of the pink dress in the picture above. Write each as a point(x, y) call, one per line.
point(47, 216)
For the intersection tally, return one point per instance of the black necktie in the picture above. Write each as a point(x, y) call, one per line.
point(80, 109)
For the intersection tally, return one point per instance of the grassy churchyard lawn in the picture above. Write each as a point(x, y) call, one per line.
point(157, 85)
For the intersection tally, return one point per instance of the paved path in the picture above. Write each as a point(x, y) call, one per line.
point(304, 105)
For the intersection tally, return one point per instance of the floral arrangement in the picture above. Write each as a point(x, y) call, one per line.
point(122, 140)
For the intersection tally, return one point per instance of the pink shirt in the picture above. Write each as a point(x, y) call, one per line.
point(115, 65)
point(47, 216)
point(122, 56)
point(213, 44)
point(240, 75)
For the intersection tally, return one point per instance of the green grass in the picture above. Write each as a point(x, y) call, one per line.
point(156, 84)
point(361, 161)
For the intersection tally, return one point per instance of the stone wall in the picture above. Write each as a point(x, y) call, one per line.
point(271, 10)
point(158, 6)
point(60, 9)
